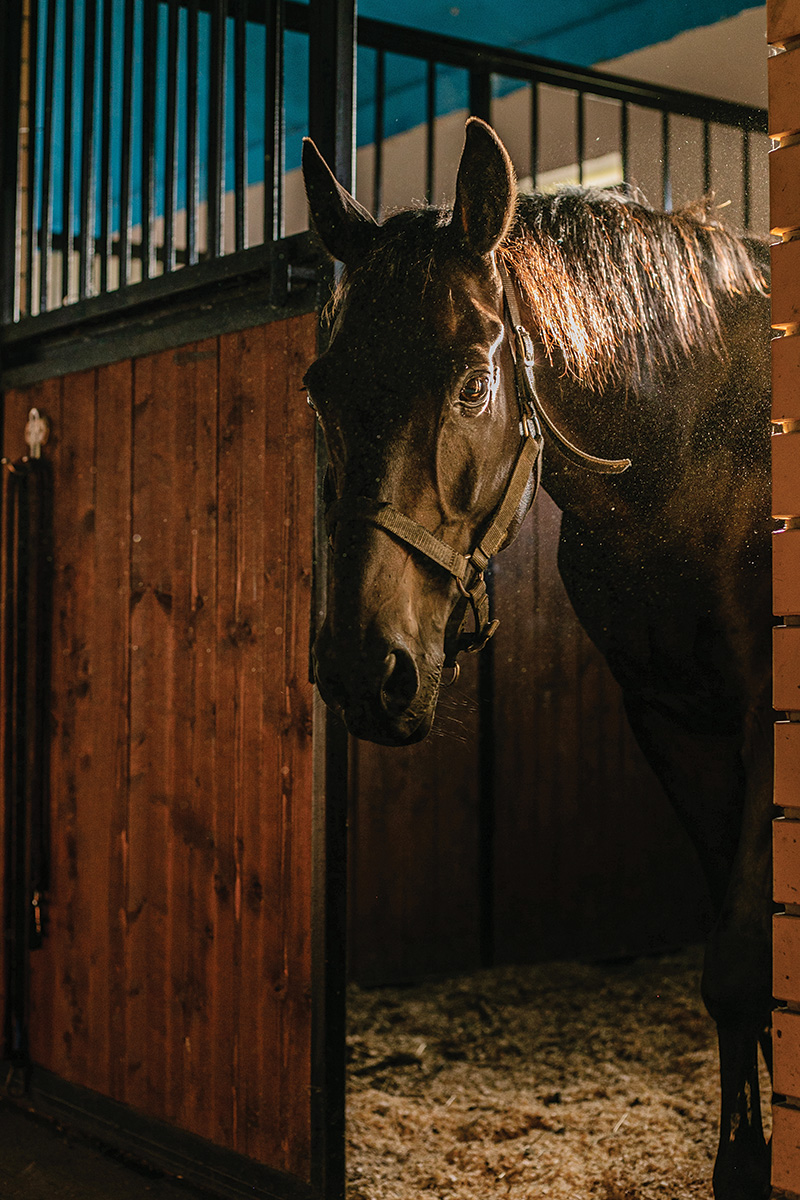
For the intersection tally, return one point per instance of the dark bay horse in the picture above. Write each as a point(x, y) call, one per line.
point(471, 350)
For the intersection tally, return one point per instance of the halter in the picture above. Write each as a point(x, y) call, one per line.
point(520, 493)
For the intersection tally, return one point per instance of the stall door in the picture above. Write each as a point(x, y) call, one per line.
point(175, 974)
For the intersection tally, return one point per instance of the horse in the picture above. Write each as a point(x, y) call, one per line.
point(621, 356)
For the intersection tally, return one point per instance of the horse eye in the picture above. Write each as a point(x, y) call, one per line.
point(475, 391)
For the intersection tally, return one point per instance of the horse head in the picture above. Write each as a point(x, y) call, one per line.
point(415, 394)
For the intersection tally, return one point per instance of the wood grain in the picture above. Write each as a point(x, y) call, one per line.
point(176, 973)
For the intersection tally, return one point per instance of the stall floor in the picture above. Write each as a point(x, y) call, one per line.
point(41, 1161)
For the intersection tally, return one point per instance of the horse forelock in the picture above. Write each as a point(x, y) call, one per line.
point(398, 265)
point(619, 289)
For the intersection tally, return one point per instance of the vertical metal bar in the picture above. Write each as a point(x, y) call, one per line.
point(105, 152)
point(240, 124)
point(430, 128)
point(10, 97)
point(580, 132)
point(87, 240)
point(125, 168)
point(746, 215)
point(192, 163)
point(331, 87)
point(380, 108)
point(33, 72)
point(67, 210)
point(216, 130)
point(624, 141)
point(47, 157)
point(480, 94)
point(148, 124)
point(666, 166)
point(273, 121)
point(706, 156)
point(171, 141)
point(534, 135)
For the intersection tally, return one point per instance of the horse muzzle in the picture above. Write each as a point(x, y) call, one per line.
point(382, 692)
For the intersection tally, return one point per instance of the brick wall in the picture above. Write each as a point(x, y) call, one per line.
point(783, 32)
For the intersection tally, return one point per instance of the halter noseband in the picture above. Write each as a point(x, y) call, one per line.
point(520, 493)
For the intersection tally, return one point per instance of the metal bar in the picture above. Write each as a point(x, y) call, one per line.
point(480, 94)
point(148, 123)
point(33, 71)
point(666, 171)
point(192, 161)
point(105, 153)
point(380, 106)
point(331, 115)
point(534, 134)
point(430, 128)
point(331, 93)
point(10, 98)
point(170, 174)
point(580, 132)
point(706, 157)
point(67, 209)
point(274, 136)
point(216, 129)
point(240, 125)
point(624, 141)
point(46, 242)
point(125, 166)
point(746, 200)
point(87, 242)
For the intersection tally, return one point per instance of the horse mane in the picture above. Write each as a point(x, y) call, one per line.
point(619, 288)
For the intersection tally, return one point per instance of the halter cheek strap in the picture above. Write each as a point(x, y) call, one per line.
point(520, 492)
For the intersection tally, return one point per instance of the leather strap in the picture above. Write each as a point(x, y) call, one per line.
point(524, 366)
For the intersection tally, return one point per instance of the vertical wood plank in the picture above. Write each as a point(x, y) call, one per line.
point(151, 726)
point(415, 886)
point(271, 471)
point(192, 521)
point(588, 850)
point(107, 782)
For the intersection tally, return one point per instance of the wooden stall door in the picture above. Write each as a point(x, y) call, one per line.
point(175, 975)
point(783, 32)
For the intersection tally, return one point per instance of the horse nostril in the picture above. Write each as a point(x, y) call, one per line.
point(400, 682)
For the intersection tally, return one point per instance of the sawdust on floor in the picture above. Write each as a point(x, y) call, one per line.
point(563, 1080)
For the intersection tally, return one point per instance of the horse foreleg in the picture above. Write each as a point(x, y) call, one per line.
point(736, 983)
point(723, 794)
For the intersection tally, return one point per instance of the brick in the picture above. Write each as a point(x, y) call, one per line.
point(786, 1046)
point(787, 764)
point(785, 284)
point(783, 75)
point(786, 572)
point(785, 475)
point(786, 957)
point(786, 377)
point(786, 863)
point(786, 1148)
point(786, 668)
point(783, 21)
point(784, 189)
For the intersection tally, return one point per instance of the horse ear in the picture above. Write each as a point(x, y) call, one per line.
point(486, 189)
point(346, 229)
